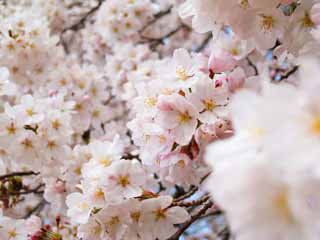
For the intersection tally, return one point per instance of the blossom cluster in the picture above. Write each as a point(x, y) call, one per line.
point(136, 119)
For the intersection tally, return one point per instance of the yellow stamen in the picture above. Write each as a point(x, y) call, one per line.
point(105, 161)
point(267, 23)
point(27, 143)
point(315, 125)
point(150, 101)
point(182, 74)
point(306, 21)
point(83, 206)
point(123, 181)
point(234, 51)
point(135, 216)
point(55, 124)
point(30, 112)
point(99, 193)
point(160, 214)
point(184, 117)
point(114, 221)
point(12, 233)
point(282, 205)
point(209, 104)
point(11, 129)
point(51, 144)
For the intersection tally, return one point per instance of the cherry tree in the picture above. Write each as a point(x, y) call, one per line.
point(159, 119)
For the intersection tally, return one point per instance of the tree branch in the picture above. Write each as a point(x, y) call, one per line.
point(193, 203)
point(36, 208)
point(256, 72)
point(204, 44)
point(289, 73)
point(18, 174)
point(156, 18)
point(35, 190)
point(193, 218)
point(154, 42)
point(191, 191)
point(79, 24)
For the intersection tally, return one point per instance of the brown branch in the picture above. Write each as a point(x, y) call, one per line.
point(18, 174)
point(193, 203)
point(193, 218)
point(205, 177)
point(191, 191)
point(251, 64)
point(204, 44)
point(225, 233)
point(36, 209)
point(35, 190)
point(154, 42)
point(157, 17)
point(79, 24)
point(289, 73)
point(215, 212)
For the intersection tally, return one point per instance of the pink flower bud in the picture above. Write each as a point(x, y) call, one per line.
point(59, 187)
point(221, 61)
point(163, 104)
point(236, 79)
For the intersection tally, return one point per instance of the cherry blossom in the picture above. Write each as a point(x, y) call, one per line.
point(159, 119)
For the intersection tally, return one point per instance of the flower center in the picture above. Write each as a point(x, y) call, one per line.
point(11, 129)
point(181, 164)
point(12, 233)
point(135, 216)
point(114, 221)
point(267, 22)
point(56, 124)
point(123, 181)
point(95, 113)
point(51, 144)
point(104, 161)
point(209, 105)
point(234, 51)
point(184, 117)
point(162, 138)
point(99, 193)
point(160, 214)
point(282, 205)
point(182, 74)
point(315, 125)
point(96, 230)
point(82, 206)
point(150, 101)
point(29, 112)
point(27, 143)
point(306, 21)
point(244, 4)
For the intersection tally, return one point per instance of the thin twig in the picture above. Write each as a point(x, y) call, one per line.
point(289, 73)
point(18, 174)
point(193, 203)
point(36, 209)
point(193, 218)
point(154, 42)
point(192, 190)
point(28, 191)
point(156, 17)
point(256, 72)
point(79, 24)
point(204, 44)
